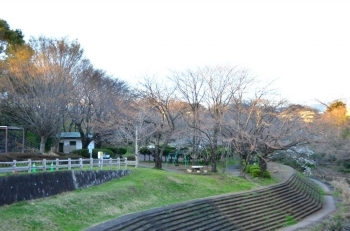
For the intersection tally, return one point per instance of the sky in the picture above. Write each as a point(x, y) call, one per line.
point(303, 46)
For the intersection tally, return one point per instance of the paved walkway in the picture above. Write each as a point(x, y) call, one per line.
point(327, 209)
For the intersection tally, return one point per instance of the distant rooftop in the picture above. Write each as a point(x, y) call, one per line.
point(75, 135)
point(70, 135)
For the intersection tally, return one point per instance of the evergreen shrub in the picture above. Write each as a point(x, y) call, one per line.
point(83, 152)
point(255, 172)
point(105, 151)
point(266, 174)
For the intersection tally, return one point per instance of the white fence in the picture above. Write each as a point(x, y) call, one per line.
point(55, 165)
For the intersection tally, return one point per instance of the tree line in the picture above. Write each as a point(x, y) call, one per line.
point(48, 86)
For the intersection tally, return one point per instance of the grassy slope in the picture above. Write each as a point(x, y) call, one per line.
point(143, 189)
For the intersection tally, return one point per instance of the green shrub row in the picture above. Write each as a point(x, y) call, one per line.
point(85, 152)
point(118, 151)
point(82, 152)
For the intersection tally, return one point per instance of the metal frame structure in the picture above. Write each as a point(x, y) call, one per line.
point(7, 128)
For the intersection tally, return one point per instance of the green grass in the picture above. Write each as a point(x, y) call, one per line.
point(290, 220)
point(142, 190)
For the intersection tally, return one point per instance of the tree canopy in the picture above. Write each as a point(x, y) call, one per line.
point(9, 37)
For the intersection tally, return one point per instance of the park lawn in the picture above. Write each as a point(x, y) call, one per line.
point(141, 190)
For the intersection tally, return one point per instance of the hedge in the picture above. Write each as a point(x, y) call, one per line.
point(105, 151)
point(83, 152)
point(118, 150)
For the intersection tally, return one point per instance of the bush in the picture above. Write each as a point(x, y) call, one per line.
point(105, 151)
point(118, 151)
point(252, 167)
point(255, 172)
point(145, 151)
point(168, 150)
point(266, 174)
point(83, 152)
point(344, 170)
point(346, 163)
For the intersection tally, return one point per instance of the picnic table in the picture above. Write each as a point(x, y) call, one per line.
point(196, 168)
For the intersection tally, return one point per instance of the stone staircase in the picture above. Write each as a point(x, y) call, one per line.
point(263, 209)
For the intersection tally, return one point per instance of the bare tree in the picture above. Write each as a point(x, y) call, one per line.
point(37, 88)
point(213, 88)
point(261, 125)
point(130, 122)
point(97, 98)
point(167, 111)
point(191, 87)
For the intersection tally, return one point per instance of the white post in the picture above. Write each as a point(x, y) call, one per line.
point(44, 165)
point(101, 166)
point(14, 167)
point(69, 163)
point(126, 163)
point(29, 165)
point(57, 164)
point(91, 163)
point(118, 163)
point(81, 163)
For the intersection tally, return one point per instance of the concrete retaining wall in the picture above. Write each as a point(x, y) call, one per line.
point(17, 188)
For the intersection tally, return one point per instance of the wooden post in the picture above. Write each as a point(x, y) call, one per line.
point(69, 163)
point(44, 165)
point(57, 164)
point(14, 166)
point(81, 163)
point(101, 166)
point(29, 165)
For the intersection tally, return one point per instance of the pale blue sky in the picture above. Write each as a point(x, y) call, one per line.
point(303, 44)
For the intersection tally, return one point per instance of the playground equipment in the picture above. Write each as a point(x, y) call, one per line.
point(173, 158)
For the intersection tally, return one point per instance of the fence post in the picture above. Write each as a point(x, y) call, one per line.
point(101, 166)
point(126, 163)
point(91, 163)
point(118, 163)
point(29, 165)
point(57, 164)
point(14, 166)
point(69, 164)
point(44, 165)
point(81, 163)
point(110, 163)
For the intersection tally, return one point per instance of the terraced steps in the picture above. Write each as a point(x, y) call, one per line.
point(261, 209)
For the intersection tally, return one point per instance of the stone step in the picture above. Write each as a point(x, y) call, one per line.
point(262, 209)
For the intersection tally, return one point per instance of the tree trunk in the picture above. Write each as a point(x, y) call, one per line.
point(262, 164)
point(214, 149)
point(42, 144)
point(136, 148)
point(157, 159)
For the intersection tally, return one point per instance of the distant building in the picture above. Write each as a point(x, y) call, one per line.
point(304, 112)
point(70, 141)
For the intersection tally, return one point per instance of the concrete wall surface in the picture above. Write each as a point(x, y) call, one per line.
point(17, 188)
